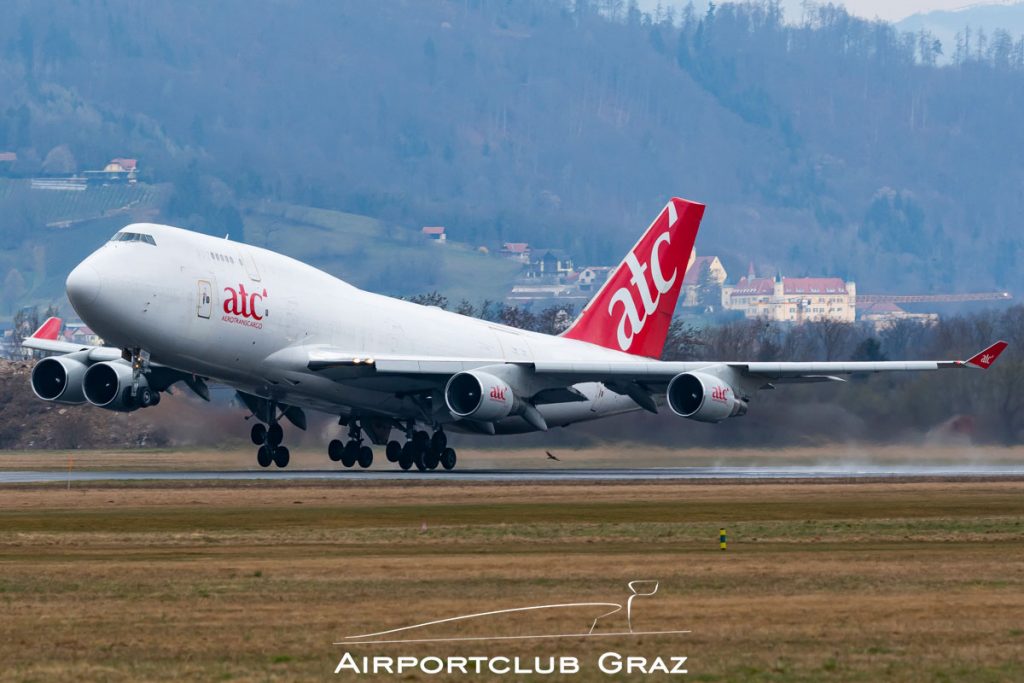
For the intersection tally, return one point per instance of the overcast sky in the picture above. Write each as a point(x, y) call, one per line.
point(890, 10)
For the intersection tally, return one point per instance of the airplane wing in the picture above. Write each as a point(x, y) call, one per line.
point(343, 365)
point(45, 339)
point(644, 381)
point(793, 372)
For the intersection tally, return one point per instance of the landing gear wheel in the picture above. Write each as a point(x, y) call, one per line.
point(407, 456)
point(258, 433)
point(431, 458)
point(448, 458)
point(275, 435)
point(281, 456)
point(264, 456)
point(156, 399)
point(365, 457)
point(439, 441)
point(393, 451)
point(145, 397)
point(350, 453)
point(420, 458)
point(334, 450)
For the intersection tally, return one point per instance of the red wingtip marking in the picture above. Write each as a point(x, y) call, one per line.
point(987, 357)
point(48, 330)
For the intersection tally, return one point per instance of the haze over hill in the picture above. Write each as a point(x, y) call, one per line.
point(831, 146)
point(972, 26)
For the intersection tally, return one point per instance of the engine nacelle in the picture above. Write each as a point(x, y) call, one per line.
point(479, 396)
point(59, 379)
point(109, 385)
point(703, 397)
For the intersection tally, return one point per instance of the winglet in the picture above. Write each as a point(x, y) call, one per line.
point(986, 358)
point(48, 330)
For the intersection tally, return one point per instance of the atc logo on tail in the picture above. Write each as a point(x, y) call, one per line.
point(633, 310)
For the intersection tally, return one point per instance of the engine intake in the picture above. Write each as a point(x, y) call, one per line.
point(703, 397)
point(109, 385)
point(59, 379)
point(479, 396)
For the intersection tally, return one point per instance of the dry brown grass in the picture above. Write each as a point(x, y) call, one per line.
point(256, 581)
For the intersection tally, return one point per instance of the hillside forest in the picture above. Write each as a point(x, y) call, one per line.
point(822, 144)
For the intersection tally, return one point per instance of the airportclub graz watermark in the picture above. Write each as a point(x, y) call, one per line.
point(354, 661)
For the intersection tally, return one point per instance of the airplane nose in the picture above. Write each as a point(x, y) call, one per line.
point(83, 286)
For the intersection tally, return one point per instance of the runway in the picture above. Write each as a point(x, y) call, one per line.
point(526, 475)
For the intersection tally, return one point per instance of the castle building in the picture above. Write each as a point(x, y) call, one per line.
point(795, 299)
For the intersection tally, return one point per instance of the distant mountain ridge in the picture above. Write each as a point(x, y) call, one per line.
point(832, 147)
point(945, 24)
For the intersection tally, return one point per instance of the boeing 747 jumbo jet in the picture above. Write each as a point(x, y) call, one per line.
point(176, 306)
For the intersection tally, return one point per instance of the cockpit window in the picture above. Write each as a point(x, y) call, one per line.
point(133, 237)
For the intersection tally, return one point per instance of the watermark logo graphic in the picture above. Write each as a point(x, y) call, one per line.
point(420, 632)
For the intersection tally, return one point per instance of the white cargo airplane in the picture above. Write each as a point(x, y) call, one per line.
point(177, 306)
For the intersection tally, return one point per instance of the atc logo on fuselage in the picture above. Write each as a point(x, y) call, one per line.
point(244, 308)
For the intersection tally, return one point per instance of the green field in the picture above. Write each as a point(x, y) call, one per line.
point(369, 253)
point(833, 582)
point(376, 255)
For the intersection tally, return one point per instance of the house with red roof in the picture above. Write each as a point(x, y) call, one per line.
point(516, 251)
point(692, 282)
point(435, 234)
point(793, 299)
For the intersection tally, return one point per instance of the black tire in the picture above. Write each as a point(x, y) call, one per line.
point(334, 449)
point(282, 456)
point(350, 453)
point(393, 451)
point(420, 459)
point(275, 435)
point(421, 438)
point(258, 434)
point(439, 441)
point(365, 457)
point(156, 399)
point(431, 458)
point(264, 456)
point(146, 397)
point(408, 455)
point(448, 459)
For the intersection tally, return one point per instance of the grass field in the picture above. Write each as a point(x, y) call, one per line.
point(381, 257)
point(862, 582)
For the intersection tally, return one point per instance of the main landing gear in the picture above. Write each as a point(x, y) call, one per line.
point(423, 450)
point(269, 440)
point(353, 451)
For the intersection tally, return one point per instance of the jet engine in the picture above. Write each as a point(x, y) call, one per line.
point(59, 379)
point(479, 396)
point(109, 385)
point(703, 397)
